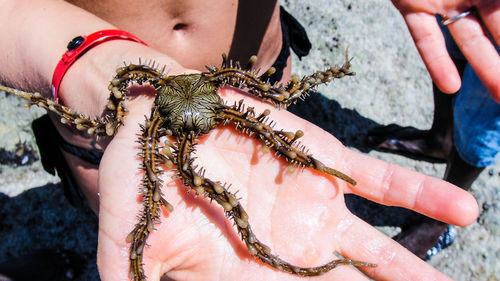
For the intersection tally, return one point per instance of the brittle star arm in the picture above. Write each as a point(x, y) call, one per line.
point(118, 92)
point(151, 192)
point(281, 96)
point(66, 115)
point(284, 143)
point(136, 73)
point(233, 210)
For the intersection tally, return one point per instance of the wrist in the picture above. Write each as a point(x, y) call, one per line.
point(79, 45)
point(41, 36)
point(85, 85)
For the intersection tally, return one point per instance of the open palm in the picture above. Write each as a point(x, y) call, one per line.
point(301, 216)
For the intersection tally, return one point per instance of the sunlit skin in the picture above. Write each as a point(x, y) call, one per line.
point(187, 107)
point(271, 192)
point(198, 242)
point(470, 34)
point(189, 242)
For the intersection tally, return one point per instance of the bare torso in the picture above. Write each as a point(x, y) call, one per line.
point(193, 32)
point(197, 32)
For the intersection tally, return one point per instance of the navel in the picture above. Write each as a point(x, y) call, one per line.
point(180, 26)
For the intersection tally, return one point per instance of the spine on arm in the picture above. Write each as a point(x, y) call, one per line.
point(38, 33)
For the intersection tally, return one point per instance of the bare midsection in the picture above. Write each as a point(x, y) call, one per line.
point(197, 32)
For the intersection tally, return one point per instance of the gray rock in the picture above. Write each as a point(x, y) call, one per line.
point(391, 86)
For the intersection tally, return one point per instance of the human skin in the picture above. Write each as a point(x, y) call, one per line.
point(34, 50)
point(196, 241)
point(470, 34)
point(301, 215)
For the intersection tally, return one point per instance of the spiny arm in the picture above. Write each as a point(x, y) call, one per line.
point(66, 115)
point(152, 195)
point(235, 211)
point(284, 143)
point(281, 96)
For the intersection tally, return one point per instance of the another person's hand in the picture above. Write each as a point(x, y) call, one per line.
point(302, 216)
point(470, 34)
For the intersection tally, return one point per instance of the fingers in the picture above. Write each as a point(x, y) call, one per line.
point(112, 259)
point(118, 209)
point(473, 41)
point(431, 45)
point(489, 12)
point(382, 182)
point(119, 182)
point(392, 185)
point(361, 241)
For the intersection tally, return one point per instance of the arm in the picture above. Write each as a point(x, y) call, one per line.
point(38, 33)
point(301, 215)
point(195, 240)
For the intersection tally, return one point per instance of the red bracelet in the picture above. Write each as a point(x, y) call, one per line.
point(81, 44)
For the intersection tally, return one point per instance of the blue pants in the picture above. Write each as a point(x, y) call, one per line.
point(476, 115)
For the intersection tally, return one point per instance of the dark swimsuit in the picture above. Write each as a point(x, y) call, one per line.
point(295, 37)
point(50, 142)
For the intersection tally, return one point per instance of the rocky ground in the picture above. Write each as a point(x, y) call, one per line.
point(391, 86)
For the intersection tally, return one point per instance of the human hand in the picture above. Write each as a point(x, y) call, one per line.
point(470, 34)
point(301, 215)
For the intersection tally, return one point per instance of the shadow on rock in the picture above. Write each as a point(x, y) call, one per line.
point(23, 154)
point(41, 219)
point(347, 125)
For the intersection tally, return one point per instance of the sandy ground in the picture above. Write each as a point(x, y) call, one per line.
point(391, 86)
